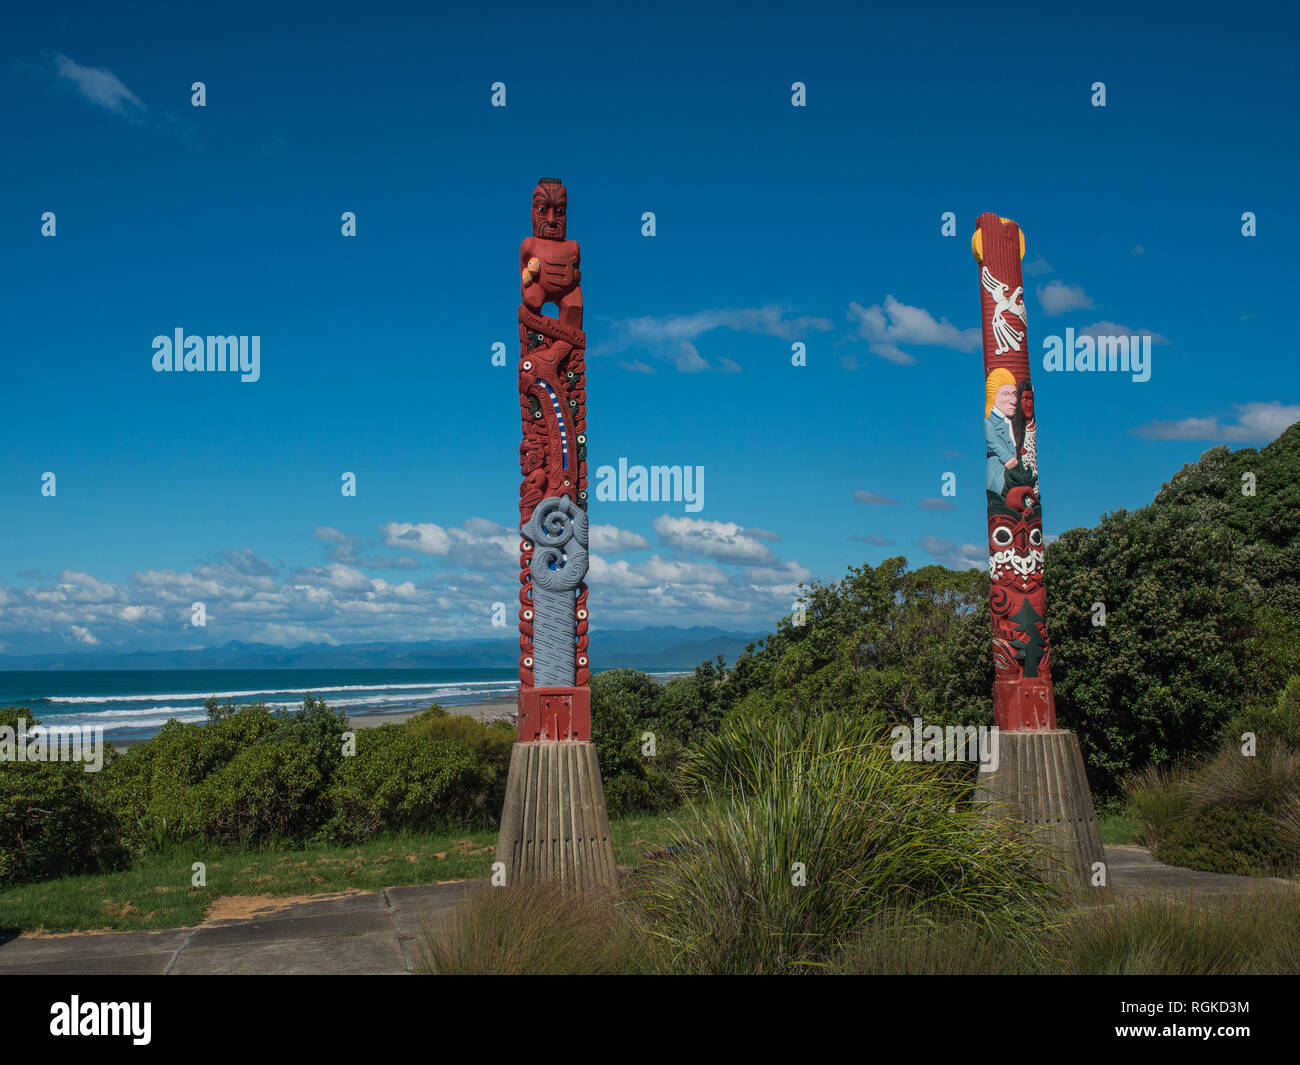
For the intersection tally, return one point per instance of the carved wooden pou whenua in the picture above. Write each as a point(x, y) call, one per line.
point(1040, 780)
point(554, 826)
point(554, 701)
point(1022, 689)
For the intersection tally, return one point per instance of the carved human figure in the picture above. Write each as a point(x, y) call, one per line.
point(1025, 429)
point(999, 436)
point(548, 261)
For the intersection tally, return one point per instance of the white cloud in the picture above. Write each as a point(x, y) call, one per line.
point(424, 537)
point(718, 572)
point(789, 574)
point(672, 338)
point(886, 326)
point(611, 540)
point(289, 635)
point(1257, 423)
point(873, 498)
point(1056, 297)
point(947, 553)
point(101, 87)
point(478, 543)
point(1114, 329)
point(722, 540)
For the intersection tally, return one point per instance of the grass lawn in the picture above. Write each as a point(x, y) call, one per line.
point(157, 891)
point(1118, 828)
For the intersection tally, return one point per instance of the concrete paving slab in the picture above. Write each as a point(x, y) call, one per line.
point(345, 954)
point(93, 954)
point(412, 908)
point(1132, 872)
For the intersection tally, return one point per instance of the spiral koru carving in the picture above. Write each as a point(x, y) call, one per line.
point(558, 532)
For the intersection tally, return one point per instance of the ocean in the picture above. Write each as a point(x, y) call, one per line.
point(133, 705)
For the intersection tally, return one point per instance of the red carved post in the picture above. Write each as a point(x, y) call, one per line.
point(554, 700)
point(1022, 689)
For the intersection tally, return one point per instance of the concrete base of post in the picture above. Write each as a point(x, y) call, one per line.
point(1040, 783)
point(554, 827)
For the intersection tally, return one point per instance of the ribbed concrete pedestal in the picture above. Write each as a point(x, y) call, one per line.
point(1040, 781)
point(554, 827)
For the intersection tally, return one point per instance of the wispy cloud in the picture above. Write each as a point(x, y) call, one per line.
point(1257, 423)
point(886, 326)
point(723, 541)
point(1038, 266)
point(1056, 297)
point(100, 87)
point(611, 540)
point(947, 553)
point(936, 504)
point(672, 338)
point(873, 498)
point(1114, 329)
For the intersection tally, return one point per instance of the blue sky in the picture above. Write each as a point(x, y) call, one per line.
point(774, 224)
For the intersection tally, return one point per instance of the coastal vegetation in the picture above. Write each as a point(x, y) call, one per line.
point(766, 827)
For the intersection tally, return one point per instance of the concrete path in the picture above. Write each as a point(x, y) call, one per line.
point(1133, 872)
point(360, 933)
point(364, 933)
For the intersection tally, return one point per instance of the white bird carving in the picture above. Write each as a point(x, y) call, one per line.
point(1007, 336)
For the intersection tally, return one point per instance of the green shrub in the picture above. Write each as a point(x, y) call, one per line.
point(267, 793)
point(52, 820)
point(1274, 723)
point(687, 710)
point(1236, 839)
point(399, 779)
point(491, 746)
point(625, 704)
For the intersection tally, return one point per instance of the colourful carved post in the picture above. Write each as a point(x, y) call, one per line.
point(1022, 692)
point(554, 701)
point(554, 826)
point(1040, 779)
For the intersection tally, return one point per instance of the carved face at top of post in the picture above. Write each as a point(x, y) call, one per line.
point(550, 205)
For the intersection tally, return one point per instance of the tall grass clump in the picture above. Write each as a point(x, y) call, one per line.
point(540, 930)
point(1252, 934)
point(917, 944)
point(1157, 798)
point(805, 829)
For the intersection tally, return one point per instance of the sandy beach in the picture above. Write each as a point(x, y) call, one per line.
point(497, 710)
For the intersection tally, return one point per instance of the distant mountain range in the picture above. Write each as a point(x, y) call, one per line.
point(665, 647)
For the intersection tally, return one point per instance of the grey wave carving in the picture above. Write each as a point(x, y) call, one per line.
point(558, 531)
